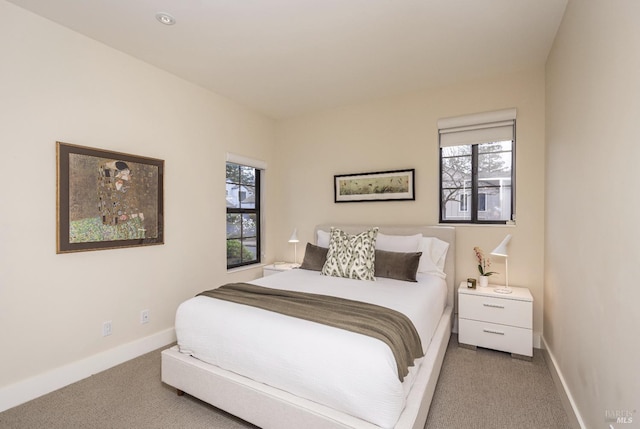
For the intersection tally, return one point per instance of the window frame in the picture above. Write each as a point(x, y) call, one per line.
point(256, 210)
point(474, 191)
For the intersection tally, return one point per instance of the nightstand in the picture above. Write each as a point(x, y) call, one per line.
point(278, 267)
point(496, 321)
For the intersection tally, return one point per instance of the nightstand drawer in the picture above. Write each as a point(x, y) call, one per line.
point(496, 310)
point(498, 337)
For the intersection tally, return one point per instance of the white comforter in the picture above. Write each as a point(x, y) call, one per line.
point(346, 371)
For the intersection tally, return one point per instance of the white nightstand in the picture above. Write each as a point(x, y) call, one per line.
point(496, 321)
point(278, 267)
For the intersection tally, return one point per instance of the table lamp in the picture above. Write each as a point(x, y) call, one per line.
point(501, 250)
point(295, 241)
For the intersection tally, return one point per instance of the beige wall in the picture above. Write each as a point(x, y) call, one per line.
point(399, 133)
point(58, 85)
point(568, 247)
point(591, 315)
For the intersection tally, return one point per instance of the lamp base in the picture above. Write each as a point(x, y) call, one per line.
point(503, 289)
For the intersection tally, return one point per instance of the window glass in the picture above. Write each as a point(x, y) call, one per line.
point(476, 183)
point(243, 215)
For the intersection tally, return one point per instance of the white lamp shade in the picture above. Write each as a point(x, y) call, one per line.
point(501, 250)
point(294, 236)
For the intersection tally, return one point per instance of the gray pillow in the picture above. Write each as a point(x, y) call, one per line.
point(314, 257)
point(397, 265)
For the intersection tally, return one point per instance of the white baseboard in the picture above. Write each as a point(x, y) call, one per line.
point(567, 400)
point(536, 340)
point(33, 387)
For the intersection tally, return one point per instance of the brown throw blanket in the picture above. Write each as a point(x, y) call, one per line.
point(389, 326)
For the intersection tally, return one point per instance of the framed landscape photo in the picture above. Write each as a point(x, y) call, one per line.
point(107, 200)
point(397, 185)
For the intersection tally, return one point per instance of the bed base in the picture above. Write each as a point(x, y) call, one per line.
point(271, 408)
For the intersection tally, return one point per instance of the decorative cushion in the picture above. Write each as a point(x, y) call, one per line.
point(314, 257)
point(398, 243)
point(351, 256)
point(397, 265)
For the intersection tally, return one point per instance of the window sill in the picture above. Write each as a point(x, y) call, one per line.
point(245, 268)
point(490, 225)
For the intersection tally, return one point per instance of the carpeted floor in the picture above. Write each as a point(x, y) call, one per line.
point(486, 389)
point(480, 389)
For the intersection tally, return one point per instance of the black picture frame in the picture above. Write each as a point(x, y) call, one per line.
point(394, 185)
point(107, 200)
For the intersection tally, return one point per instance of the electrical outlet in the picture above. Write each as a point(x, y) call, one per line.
point(106, 328)
point(144, 316)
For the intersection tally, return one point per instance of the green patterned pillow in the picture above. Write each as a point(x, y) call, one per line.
point(351, 256)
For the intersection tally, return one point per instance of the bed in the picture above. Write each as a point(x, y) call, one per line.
point(303, 385)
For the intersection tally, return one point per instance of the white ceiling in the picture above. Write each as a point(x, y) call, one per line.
point(289, 57)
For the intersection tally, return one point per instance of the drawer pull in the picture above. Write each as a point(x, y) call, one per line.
point(489, 331)
point(493, 305)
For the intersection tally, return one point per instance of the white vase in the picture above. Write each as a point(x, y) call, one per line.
point(483, 281)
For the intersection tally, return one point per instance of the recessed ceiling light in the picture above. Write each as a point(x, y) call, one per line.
point(165, 18)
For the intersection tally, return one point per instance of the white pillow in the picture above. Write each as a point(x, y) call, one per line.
point(434, 255)
point(323, 239)
point(398, 243)
point(439, 250)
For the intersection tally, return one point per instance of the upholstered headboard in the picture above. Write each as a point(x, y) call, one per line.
point(445, 233)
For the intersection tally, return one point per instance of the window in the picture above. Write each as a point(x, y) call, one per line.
point(477, 154)
point(482, 202)
point(243, 215)
point(464, 202)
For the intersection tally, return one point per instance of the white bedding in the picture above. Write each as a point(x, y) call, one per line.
point(346, 371)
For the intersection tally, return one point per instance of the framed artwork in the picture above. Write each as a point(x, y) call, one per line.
point(107, 200)
point(394, 185)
